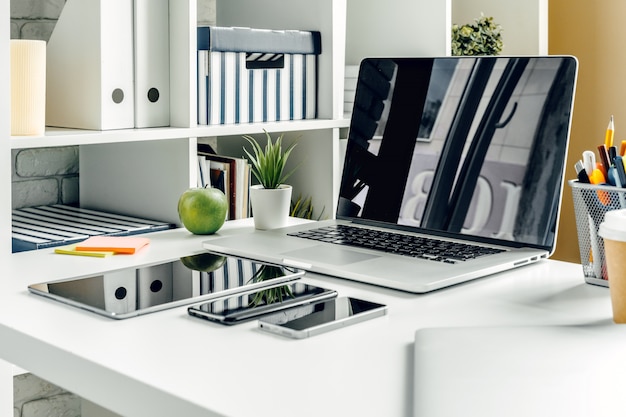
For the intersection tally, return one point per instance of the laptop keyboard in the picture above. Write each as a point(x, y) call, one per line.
point(397, 243)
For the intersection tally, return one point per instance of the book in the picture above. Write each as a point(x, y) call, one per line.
point(204, 179)
point(117, 244)
point(236, 177)
point(203, 76)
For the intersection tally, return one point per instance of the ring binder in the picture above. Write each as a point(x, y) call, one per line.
point(89, 82)
point(152, 74)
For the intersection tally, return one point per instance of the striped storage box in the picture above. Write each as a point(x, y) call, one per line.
point(253, 75)
point(57, 225)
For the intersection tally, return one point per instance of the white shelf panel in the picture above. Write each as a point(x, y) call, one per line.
point(18, 371)
point(68, 137)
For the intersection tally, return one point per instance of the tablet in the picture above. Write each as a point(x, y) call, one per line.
point(130, 292)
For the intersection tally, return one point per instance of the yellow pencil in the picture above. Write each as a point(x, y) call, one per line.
point(610, 131)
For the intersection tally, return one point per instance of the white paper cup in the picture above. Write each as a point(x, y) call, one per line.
point(613, 232)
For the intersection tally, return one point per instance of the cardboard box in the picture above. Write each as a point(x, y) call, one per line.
point(254, 75)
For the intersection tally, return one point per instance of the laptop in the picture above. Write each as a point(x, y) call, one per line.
point(454, 170)
point(539, 371)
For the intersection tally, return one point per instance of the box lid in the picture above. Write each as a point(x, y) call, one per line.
point(241, 39)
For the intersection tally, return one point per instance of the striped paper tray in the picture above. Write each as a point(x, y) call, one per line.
point(57, 225)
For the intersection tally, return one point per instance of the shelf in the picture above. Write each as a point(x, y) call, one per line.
point(69, 137)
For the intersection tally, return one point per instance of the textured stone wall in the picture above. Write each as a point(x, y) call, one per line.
point(33, 397)
point(45, 176)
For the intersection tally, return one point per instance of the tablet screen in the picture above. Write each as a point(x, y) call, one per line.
point(130, 292)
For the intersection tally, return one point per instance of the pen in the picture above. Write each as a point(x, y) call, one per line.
point(581, 173)
point(612, 154)
point(622, 148)
point(620, 172)
point(620, 180)
point(589, 161)
point(611, 176)
point(608, 139)
point(597, 178)
point(604, 159)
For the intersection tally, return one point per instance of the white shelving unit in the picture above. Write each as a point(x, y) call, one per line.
point(157, 165)
point(122, 170)
point(142, 172)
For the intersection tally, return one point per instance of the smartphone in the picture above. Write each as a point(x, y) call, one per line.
point(310, 320)
point(253, 305)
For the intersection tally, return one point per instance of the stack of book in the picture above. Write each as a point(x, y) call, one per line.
point(231, 175)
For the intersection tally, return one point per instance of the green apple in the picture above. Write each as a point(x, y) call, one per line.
point(205, 262)
point(202, 210)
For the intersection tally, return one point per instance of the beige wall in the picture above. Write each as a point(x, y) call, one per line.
point(593, 31)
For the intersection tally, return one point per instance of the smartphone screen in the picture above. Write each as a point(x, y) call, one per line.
point(320, 317)
point(250, 305)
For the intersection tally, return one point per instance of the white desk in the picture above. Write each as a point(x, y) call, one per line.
point(170, 364)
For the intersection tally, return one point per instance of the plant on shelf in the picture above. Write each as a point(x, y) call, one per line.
point(303, 208)
point(271, 198)
point(268, 164)
point(483, 37)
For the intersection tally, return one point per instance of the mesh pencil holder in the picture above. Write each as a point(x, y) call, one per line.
point(591, 202)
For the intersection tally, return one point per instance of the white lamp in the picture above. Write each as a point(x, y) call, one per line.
point(28, 87)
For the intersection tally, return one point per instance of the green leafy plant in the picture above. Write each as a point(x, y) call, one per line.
point(483, 37)
point(269, 295)
point(268, 163)
point(303, 208)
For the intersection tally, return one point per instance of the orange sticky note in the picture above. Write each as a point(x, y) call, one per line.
point(117, 244)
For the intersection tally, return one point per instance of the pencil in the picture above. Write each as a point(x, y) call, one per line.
point(610, 131)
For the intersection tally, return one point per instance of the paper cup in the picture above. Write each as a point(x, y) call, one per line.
point(613, 232)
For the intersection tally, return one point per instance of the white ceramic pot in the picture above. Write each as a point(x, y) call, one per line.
point(270, 207)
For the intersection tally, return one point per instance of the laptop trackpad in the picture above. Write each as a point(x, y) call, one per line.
point(329, 255)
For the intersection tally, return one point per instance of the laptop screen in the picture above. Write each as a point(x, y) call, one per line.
point(471, 145)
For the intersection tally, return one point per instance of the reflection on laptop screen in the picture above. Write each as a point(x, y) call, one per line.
point(475, 145)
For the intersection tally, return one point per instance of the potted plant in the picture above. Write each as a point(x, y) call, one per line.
point(271, 198)
point(484, 37)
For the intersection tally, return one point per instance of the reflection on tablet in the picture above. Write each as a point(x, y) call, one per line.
point(130, 292)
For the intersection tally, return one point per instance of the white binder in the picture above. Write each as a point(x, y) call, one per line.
point(154, 285)
point(90, 66)
point(152, 64)
point(120, 291)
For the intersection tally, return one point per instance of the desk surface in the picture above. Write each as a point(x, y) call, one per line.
point(168, 363)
